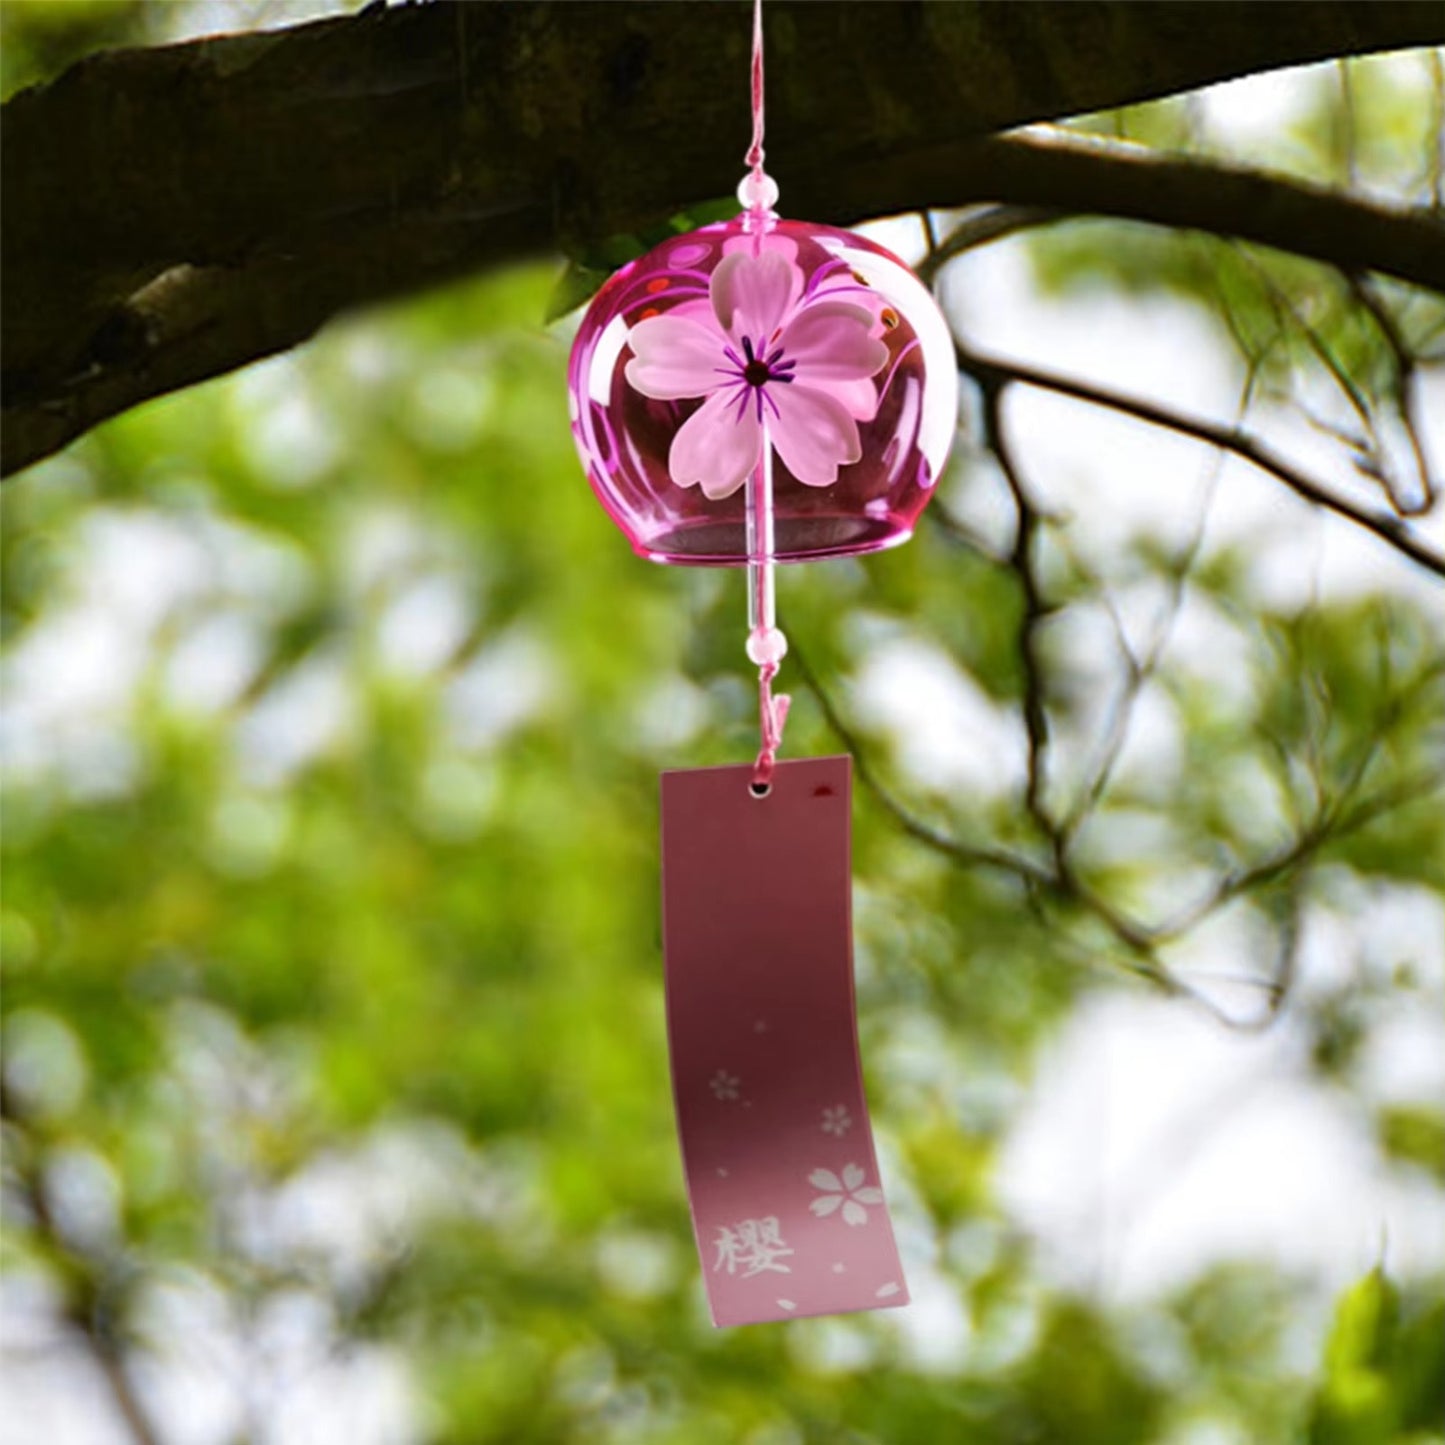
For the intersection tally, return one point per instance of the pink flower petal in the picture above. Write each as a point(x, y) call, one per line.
point(715, 447)
point(829, 341)
point(870, 1195)
point(674, 357)
point(773, 241)
point(859, 398)
point(825, 1179)
point(853, 1176)
point(854, 1213)
point(752, 294)
point(825, 1204)
point(813, 433)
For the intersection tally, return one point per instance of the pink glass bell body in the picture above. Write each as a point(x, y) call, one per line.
point(802, 347)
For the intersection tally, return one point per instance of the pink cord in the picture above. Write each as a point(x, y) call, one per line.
point(772, 711)
point(772, 715)
point(755, 151)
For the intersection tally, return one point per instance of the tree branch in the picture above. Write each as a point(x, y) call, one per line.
point(172, 214)
point(991, 223)
point(1061, 174)
point(991, 371)
point(1137, 942)
point(1002, 860)
point(1032, 614)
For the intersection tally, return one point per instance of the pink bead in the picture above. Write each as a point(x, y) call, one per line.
point(811, 345)
point(757, 193)
point(766, 644)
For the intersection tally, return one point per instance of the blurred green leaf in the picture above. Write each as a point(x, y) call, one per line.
point(575, 288)
point(1416, 1135)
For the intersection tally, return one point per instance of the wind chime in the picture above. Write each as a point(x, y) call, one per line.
point(759, 391)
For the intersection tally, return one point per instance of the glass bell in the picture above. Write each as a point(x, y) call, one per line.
point(802, 349)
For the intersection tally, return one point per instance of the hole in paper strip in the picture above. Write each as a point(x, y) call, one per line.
point(760, 790)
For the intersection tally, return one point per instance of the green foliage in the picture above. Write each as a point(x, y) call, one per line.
point(585, 272)
point(330, 934)
point(1417, 1134)
point(224, 968)
point(42, 37)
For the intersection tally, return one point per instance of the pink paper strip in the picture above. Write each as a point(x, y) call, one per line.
point(781, 1174)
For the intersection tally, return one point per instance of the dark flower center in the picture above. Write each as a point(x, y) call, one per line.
point(751, 376)
point(757, 369)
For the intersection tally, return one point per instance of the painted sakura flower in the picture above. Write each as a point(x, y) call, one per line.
point(847, 1192)
point(837, 1121)
point(772, 367)
point(724, 1085)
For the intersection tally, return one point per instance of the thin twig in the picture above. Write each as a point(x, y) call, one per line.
point(1283, 307)
point(1141, 667)
point(1137, 956)
point(930, 231)
point(1372, 455)
point(957, 530)
point(1330, 825)
point(978, 228)
point(87, 1282)
point(1032, 615)
point(970, 854)
point(1334, 816)
point(1405, 370)
point(1138, 941)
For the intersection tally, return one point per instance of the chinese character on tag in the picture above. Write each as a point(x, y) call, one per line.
point(754, 1245)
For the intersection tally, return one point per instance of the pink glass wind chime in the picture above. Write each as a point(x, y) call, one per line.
point(753, 392)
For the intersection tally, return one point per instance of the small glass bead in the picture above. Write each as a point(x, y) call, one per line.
point(757, 192)
point(766, 644)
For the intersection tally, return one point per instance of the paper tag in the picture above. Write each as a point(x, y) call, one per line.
point(787, 1205)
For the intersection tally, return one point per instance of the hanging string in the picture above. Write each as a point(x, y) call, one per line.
point(758, 191)
point(772, 715)
point(755, 151)
point(766, 643)
point(767, 646)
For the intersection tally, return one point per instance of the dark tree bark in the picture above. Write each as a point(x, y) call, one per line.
point(171, 214)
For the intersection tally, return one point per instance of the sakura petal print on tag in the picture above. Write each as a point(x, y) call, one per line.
point(757, 927)
point(849, 1192)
